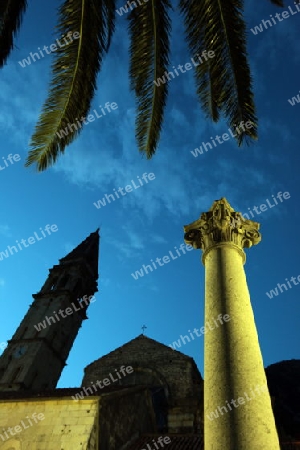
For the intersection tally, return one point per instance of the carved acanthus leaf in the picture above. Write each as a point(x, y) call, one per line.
point(222, 224)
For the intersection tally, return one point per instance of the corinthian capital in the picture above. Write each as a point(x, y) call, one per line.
point(221, 224)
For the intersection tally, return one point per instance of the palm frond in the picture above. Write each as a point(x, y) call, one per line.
point(75, 70)
point(218, 26)
point(206, 88)
point(277, 2)
point(149, 27)
point(11, 14)
point(109, 12)
point(207, 93)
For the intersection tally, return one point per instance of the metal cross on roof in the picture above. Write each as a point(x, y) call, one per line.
point(143, 328)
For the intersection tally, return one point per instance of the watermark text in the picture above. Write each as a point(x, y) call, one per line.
point(236, 403)
point(72, 127)
point(199, 332)
point(129, 188)
point(9, 160)
point(103, 383)
point(33, 57)
point(265, 24)
point(24, 243)
point(82, 303)
point(221, 139)
point(162, 261)
point(24, 424)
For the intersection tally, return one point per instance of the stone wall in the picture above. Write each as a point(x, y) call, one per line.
point(154, 364)
point(124, 416)
point(49, 424)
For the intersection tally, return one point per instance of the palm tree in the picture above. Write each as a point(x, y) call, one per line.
point(223, 82)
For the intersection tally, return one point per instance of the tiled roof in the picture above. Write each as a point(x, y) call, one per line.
point(178, 442)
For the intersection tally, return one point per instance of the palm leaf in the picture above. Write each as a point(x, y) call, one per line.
point(75, 70)
point(218, 26)
point(11, 14)
point(206, 89)
point(149, 27)
point(277, 2)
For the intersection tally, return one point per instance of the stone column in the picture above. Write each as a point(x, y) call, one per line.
point(237, 405)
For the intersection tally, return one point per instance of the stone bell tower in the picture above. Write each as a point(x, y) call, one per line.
point(237, 406)
point(37, 352)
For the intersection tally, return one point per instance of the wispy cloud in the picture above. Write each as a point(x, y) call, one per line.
point(5, 231)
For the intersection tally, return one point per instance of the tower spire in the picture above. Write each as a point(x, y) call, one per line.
point(37, 353)
point(87, 250)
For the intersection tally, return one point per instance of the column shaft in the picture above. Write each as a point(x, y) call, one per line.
point(233, 363)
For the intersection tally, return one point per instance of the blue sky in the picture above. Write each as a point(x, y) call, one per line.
point(148, 222)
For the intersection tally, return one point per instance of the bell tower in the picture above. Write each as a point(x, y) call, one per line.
point(37, 352)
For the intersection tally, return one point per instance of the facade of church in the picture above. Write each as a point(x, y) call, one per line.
point(141, 396)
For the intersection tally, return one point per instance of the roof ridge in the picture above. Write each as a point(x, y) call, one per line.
point(140, 336)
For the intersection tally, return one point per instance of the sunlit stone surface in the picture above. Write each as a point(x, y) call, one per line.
point(237, 404)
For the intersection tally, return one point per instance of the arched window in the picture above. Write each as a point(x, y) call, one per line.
point(160, 406)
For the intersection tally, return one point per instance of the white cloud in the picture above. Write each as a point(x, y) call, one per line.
point(5, 231)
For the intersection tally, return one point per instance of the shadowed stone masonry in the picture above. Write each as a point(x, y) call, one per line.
point(173, 378)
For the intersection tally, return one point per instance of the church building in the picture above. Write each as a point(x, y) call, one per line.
point(143, 395)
